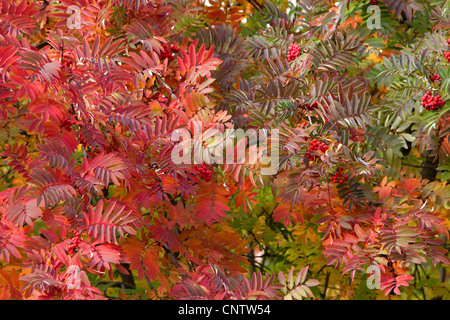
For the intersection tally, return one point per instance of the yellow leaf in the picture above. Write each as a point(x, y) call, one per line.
point(374, 57)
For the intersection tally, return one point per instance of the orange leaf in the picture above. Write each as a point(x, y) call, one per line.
point(384, 192)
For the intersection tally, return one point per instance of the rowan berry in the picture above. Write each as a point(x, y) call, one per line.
point(203, 171)
point(75, 242)
point(316, 145)
point(294, 51)
point(67, 124)
point(313, 106)
point(447, 55)
point(166, 53)
point(435, 77)
point(432, 103)
point(339, 177)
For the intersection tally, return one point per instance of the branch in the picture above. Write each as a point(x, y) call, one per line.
point(171, 255)
point(117, 284)
point(174, 97)
point(411, 165)
point(41, 45)
point(251, 258)
point(128, 279)
point(44, 5)
point(325, 286)
point(429, 168)
point(255, 4)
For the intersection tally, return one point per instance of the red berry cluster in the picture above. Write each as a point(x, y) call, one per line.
point(339, 177)
point(435, 77)
point(294, 51)
point(67, 124)
point(373, 2)
point(312, 106)
point(316, 145)
point(203, 171)
point(447, 55)
point(432, 103)
point(169, 51)
point(75, 242)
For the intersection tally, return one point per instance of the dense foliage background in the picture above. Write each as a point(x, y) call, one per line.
point(93, 207)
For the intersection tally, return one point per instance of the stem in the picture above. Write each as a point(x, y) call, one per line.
point(429, 168)
point(127, 279)
point(171, 255)
point(412, 165)
point(251, 258)
point(442, 274)
point(419, 277)
point(325, 286)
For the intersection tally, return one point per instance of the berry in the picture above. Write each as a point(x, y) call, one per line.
point(75, 242)
point(339, 177)
point(432, 103)
point(167, 51)
point(294, 51)
point(313, 106)
point(373, 2)
point(435, 77)
point(316, 145)
point(204, 172)
point(174, 48)
point(447, 55)
point(67, 124)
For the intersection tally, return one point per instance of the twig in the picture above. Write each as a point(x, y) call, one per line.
point(174, 97)
point(442, 275)
point(325, 286)
point(42, 45)
point(412, 165)
point(149, 283)
point(251, 258)
point(171, 255)
point(255, 4)
point(117, 284)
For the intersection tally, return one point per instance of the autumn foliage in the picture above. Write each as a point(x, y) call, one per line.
point(93, 205)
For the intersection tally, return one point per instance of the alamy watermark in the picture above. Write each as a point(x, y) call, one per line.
point(374, 280)
point(73, 277)
point(74, 20)
point(374, 21)
point(232, 146)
